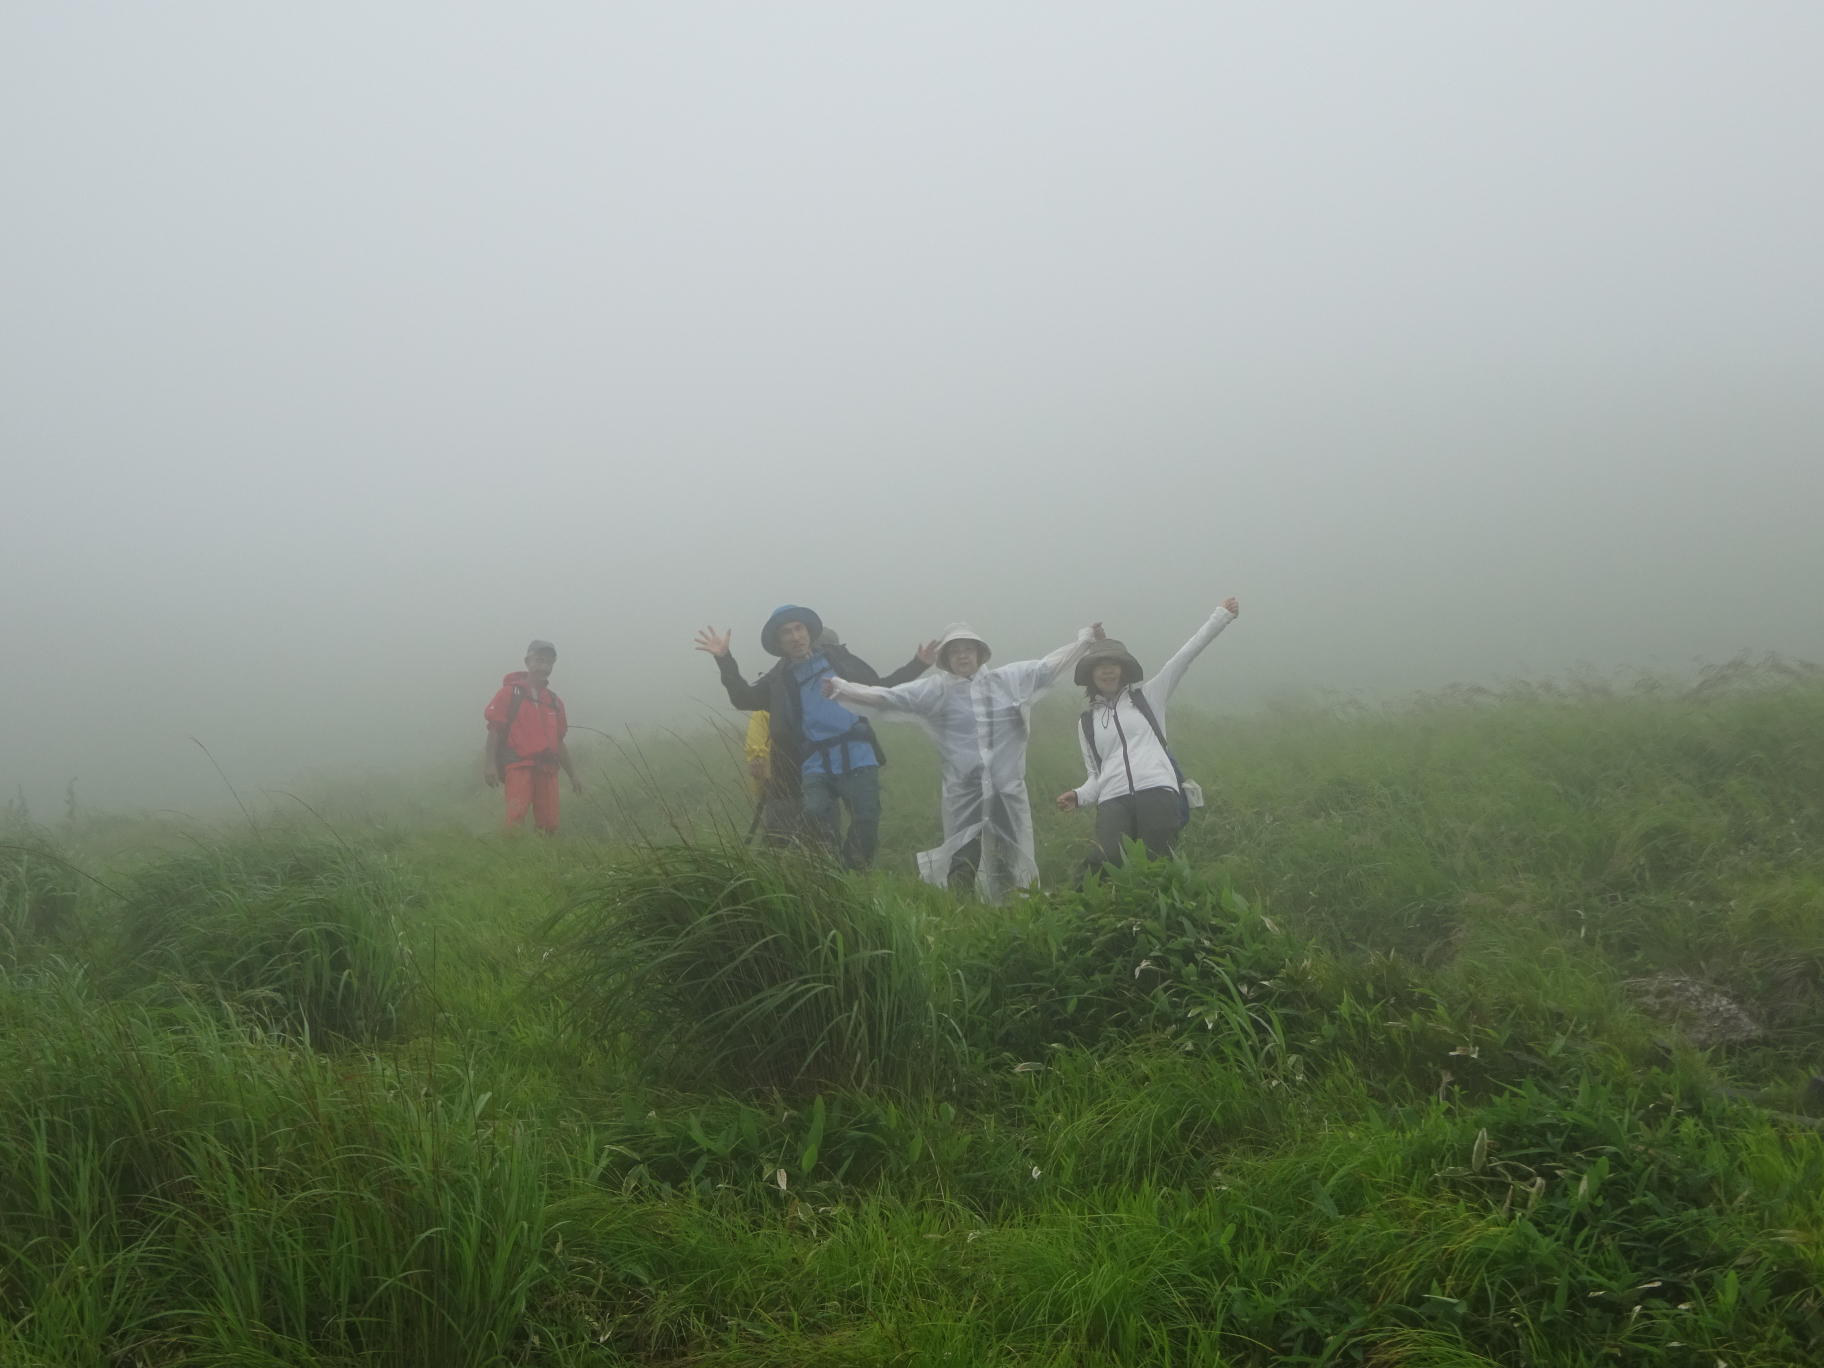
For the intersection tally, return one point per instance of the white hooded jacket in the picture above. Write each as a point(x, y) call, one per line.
point(981, 726)
point(1127, 757)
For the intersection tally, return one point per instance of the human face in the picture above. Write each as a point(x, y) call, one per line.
point(540, 665)
point(963, 657)
point(794, 640)
point(1106, 676)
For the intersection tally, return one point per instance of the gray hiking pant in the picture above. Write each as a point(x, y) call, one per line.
point(1149, 816)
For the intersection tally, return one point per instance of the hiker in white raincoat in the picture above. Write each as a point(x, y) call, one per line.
point(979, 719)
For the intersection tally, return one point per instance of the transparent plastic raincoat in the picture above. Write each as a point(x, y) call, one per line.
point(981, 726)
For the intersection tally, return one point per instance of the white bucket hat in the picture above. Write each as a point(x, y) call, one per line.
point(955, 632)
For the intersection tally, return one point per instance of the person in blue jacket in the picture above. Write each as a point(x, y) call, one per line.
point(823, 754)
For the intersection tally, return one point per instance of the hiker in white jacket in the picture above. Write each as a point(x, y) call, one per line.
point(1136, 789)
point(980, 720)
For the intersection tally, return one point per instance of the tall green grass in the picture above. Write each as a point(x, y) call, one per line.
point(1357, 1082)
point(301, 932)
point(185, 1187)
point(758, 969)
point(39, 894)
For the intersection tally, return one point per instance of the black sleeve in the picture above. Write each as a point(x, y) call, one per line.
point(906, 673)
point(852, 667)
point(745, 696)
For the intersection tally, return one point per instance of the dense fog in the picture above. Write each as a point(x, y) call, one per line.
point(347, 347)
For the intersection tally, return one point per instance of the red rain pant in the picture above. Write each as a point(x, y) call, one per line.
point(534, 786)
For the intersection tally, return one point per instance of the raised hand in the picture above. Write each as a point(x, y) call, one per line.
point(716, 643)
point(1233, 605)
point(1096, 633)
point(927, 653)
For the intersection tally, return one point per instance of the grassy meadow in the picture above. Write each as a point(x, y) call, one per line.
point(1368, 1076)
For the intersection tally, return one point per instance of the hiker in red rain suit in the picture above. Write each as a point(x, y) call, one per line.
point(526, 726)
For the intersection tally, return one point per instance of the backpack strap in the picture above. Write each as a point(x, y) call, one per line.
point(1141, 706)
point(861, 731)
point(1145, 710)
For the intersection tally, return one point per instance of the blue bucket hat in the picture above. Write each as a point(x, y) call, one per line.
point(784, 613)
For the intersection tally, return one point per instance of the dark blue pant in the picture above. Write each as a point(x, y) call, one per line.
point(859, 789)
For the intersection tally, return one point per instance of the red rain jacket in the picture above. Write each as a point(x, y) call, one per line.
point(539, 723)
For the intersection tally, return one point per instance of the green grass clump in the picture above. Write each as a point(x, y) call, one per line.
point(39, 891)
point(187, 1188)
point(1149, 948)
point(757, 969)
point(301, 933)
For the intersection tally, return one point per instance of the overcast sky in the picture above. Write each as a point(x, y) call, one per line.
point(346, 346)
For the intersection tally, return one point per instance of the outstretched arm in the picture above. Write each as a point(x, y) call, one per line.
point(1028, 678)
point(745, 696)
point(919, 697)
point(1066, 656)
point(1163, 684)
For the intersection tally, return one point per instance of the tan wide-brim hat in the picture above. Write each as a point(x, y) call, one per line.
point(955, 632)
point(1108, 649)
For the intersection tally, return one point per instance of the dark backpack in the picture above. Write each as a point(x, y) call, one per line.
point(1145, 709)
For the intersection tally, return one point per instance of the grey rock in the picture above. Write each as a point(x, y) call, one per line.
point(1703, 1014)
